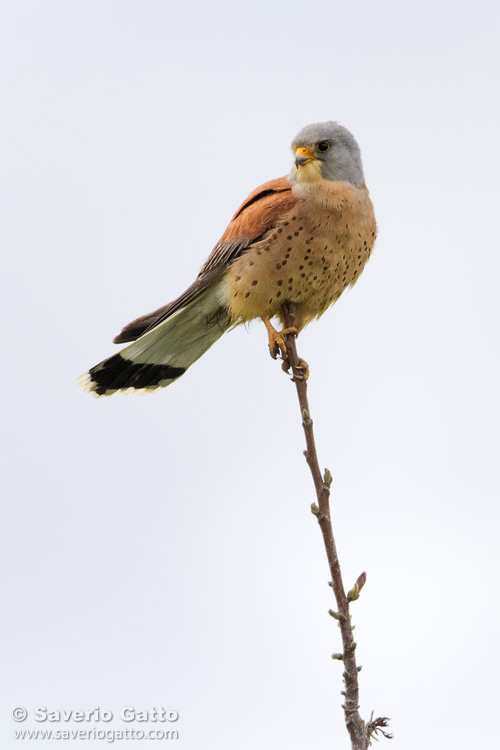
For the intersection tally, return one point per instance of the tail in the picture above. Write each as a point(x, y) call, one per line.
point(165, 351)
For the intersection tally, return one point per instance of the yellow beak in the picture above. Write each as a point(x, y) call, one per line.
point(302, 156)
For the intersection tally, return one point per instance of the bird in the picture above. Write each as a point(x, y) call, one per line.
point(301, 239)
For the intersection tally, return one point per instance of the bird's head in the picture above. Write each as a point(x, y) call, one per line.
point(328, 151)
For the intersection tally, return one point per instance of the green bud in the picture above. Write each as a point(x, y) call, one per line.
point(353, 593)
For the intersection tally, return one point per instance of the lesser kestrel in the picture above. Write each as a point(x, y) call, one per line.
point(300, 239)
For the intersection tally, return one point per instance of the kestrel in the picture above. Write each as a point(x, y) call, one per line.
point(300, 239)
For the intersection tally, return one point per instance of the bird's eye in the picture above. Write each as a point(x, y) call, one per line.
point(323, 146)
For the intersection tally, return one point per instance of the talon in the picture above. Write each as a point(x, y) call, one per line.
point(301, 370)
point(275, 347)
point(277, 342)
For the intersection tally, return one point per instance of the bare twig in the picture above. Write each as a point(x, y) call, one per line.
point(359, 732)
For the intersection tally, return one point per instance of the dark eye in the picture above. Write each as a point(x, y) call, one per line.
point(323, 146)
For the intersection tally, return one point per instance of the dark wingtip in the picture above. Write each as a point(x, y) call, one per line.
point(122, 338)
point(133, 330)
point(137, 327)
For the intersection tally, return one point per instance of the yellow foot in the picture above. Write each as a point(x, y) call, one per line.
point(300, 372)
point(277, 342)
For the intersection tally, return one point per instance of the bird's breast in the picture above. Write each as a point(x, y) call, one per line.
point(309, 257)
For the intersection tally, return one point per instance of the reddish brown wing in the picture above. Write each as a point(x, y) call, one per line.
point(260, 212)
point(256, 215)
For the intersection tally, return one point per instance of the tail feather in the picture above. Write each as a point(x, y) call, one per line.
point(161, 355)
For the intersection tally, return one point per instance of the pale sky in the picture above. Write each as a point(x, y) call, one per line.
point(160, 551)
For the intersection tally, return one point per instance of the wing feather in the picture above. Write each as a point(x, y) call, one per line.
point(259, 213)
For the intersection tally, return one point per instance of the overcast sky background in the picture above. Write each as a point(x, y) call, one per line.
point(160, 551)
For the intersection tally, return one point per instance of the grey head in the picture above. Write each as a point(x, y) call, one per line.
point(328, 150)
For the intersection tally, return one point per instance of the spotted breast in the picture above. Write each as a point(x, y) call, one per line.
point(318, 249)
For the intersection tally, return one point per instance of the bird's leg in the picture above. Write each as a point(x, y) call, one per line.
point(277, 342)
point(301, 368)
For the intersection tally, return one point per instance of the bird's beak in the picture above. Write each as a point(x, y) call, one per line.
point(302, 156)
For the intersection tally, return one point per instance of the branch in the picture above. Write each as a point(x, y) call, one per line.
point(359, 732)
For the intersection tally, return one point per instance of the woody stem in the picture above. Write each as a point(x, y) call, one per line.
point(355, 725)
